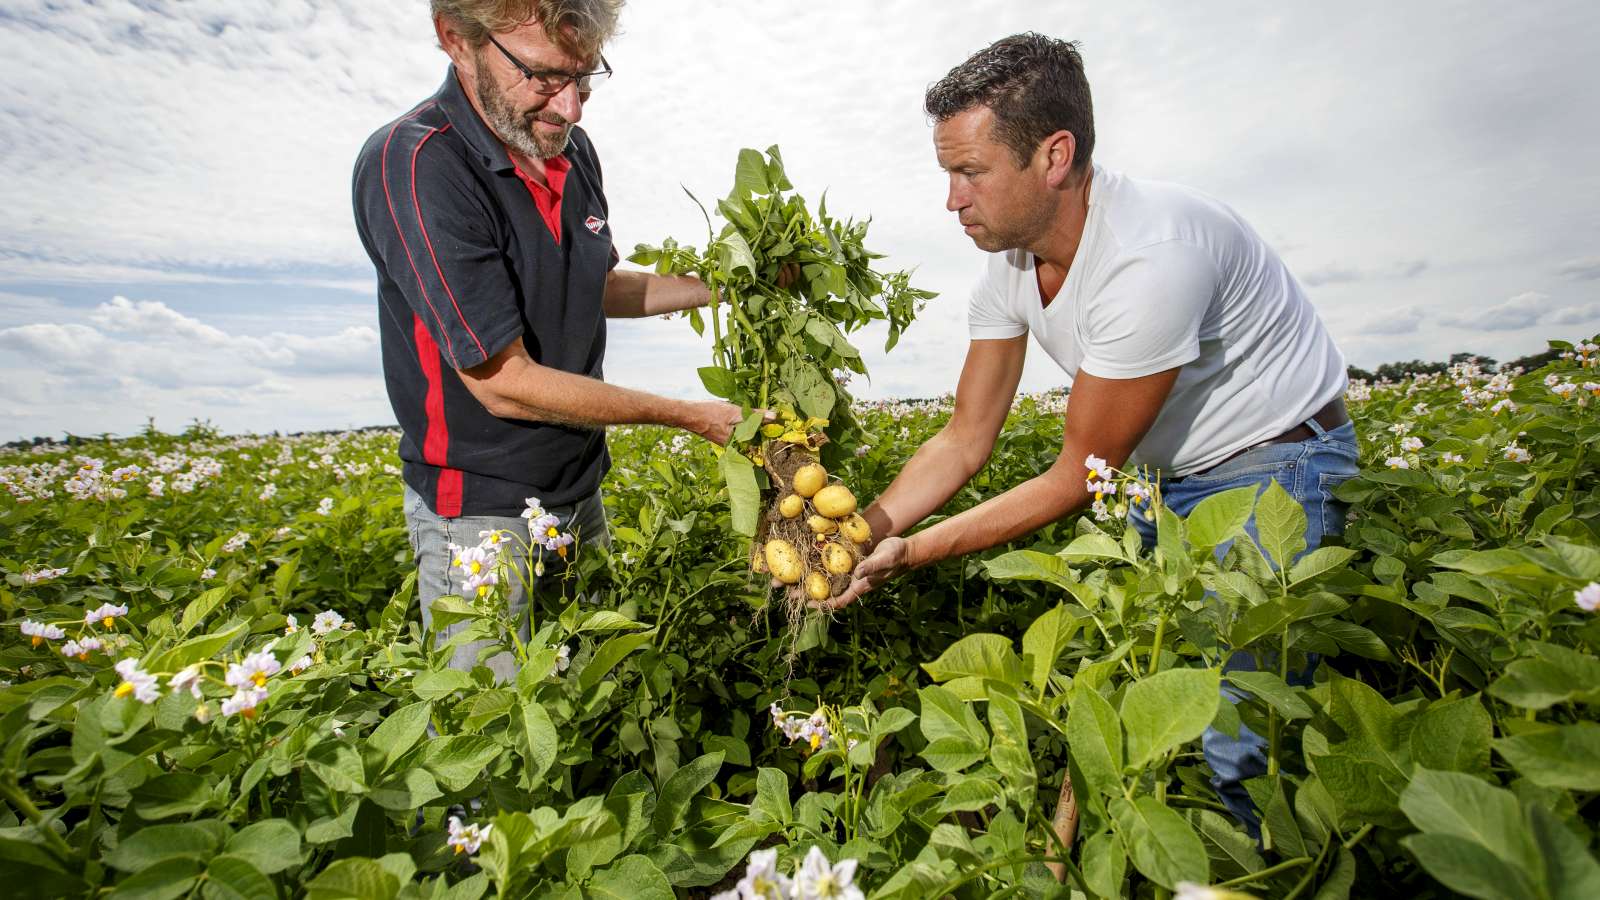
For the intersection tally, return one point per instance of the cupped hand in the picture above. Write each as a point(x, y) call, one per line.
point(888, 560)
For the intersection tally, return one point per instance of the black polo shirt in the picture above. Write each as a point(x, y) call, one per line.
point(466, 265)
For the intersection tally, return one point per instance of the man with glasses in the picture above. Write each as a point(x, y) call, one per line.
point(483, 212)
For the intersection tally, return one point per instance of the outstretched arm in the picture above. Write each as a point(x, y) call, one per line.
point(512, 385)
point(1106, 417)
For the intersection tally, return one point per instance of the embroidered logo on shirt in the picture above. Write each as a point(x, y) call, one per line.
point(594, 224)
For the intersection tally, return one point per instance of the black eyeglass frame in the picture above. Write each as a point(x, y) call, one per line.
point(542, 79)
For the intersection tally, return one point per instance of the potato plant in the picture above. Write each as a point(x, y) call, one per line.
point(215, 683)
point(787, 288)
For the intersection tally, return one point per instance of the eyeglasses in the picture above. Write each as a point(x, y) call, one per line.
point(549, 82)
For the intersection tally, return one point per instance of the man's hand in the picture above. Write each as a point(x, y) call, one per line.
point(715, 420)
point(888, 560)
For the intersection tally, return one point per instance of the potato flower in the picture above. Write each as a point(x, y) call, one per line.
point(326, 621)
point(41, 631)
point(81, 648)
point(820, 880)
point(141, 684)
point(1589, 597)
point(106, 614)
point(466, 839)
point(188, 678)
point(244, 701)
point(254, 669)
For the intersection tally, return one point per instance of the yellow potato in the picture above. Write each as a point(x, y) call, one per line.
point(856, 529)
point(822, 525)
point(816, 586)
point(834, 501)
point(791, 506)
point(837, 559)
point(782, 560)
point(810, 479)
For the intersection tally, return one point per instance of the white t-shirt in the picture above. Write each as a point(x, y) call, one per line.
point(1166, 276)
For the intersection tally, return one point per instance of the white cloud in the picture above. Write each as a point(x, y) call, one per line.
point(1401, 321)
point(213, 148)
point(1522, 311)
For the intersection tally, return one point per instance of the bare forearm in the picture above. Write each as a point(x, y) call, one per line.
point(1022, 510)
point(632, 295)
point(540, 394)
point(935, 472)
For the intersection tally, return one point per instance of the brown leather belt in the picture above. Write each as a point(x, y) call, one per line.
point(1329, 417)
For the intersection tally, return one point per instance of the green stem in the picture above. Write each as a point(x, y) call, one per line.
point(15, 796)
point(1572, 479)
point(1359, 836)
point(1284, 866)
point(1155, 648)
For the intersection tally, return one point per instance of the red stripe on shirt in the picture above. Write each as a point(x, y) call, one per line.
point(417, 202)
point(396, 220)
point(436, 443)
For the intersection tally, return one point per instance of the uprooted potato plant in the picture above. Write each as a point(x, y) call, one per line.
point(787, 287)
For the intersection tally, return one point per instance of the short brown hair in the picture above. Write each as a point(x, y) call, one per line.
point(579, 27)
point(1034, 84)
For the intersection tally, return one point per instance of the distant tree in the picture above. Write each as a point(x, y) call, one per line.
point(1487, 362)
point(1357, 373)
point(1397, 370)
point(1536, 361)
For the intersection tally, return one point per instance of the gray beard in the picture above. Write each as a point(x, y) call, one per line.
point(514, 129)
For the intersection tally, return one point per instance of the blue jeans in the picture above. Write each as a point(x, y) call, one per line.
point(1309, 470)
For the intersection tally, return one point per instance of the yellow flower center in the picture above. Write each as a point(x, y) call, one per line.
point(109, 621)
point(551, 531)
point(477, 567)
point(260, 678)
point(37, 640)
point(124, 689)
point(461, 848)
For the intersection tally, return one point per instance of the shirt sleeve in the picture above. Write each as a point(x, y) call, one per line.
point(432, 228)
point(1147, 317)
point(989, 317)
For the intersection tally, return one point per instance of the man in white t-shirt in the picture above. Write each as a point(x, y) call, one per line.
point(1189, 346)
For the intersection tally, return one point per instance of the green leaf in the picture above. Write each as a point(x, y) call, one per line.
point(1105, 864)
point(434, 685)
point(1095, 735)
point(1220, 517)
point(1045, 639)
point(1464, 867)
point(604, 620)
point(405, 791)
point(1555, 675)
point(719, 382)
point(1161, 844)
point(750, 175)
point(458, 760)
point(1281, 523)
point(1272, 690)
point(1466, 807)
point(1566, 756)
point(1272, 617)
point(166, 880)
point(744, 494)
point(399, 732)
point(772, 796)
point(537, 740)
point(1009, 751)
point(173, 794)
point(197, 649)
point(1320, 562)
point(952, 754)
point(1029, 565)
point(981, 655)
point(612, 652)
point(630, 878)
point(970, 794)
point(680, 788)
point(338, 765)
point(154, 843)
point(353, 878)
point(204, 605)
point(271, 845)
point(944, 716)
point(1569, 869)
point(1168, 709)
point(1453, 735)
point(230, 877)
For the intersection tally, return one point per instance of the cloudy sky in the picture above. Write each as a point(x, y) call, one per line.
point(177, 242)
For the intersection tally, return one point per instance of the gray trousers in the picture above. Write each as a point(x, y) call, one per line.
point(431, 537)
